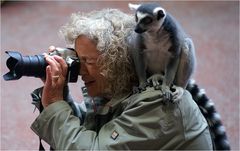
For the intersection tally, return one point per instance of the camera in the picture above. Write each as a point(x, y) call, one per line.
point(35, 66)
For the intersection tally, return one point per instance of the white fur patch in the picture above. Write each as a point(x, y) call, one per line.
point(133, 6)
point(201, 93)
point(157, 9)
point(209, 104)
point(141, 15)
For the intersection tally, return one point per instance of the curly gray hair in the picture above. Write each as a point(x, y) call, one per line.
point(109, 28)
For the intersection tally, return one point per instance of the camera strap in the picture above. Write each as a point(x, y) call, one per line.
point(36, 100)
point(79, 109)
point(41, 148)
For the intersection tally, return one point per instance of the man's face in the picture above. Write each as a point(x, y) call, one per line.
point(90, 72)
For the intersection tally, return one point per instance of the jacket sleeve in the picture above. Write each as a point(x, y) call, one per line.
point(61, 129)
point(144, 124)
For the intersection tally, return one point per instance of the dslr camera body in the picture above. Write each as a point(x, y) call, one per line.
point(35, 66)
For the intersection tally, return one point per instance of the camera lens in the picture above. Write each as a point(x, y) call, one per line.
point(35, 66)
point(24, 66)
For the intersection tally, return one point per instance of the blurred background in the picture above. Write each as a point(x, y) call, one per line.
point(31, 27)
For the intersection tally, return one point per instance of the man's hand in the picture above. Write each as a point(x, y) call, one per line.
point(56, 72)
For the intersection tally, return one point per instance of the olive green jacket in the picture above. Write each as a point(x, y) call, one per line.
point(139, 121)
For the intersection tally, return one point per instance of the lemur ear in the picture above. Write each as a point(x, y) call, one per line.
point(159, 12)
point(133, 6)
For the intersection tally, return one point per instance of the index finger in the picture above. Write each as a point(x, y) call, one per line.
point(62, 63)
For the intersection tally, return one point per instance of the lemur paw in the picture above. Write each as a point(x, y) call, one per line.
point(154, 80)
point(135, 90)
point(177, 93)
point(142, 87)
point(167, 94)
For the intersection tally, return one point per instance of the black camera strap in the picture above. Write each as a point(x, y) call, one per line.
point(79, 109)
point(41, 148)
point(36, 100)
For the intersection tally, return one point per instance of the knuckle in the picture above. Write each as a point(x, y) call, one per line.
point(51, 48)
point(65, 65)
point(57, 70)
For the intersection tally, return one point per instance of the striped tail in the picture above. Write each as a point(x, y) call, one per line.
point(206, 105)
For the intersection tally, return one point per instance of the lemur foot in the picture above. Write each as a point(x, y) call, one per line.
point(167, 94)
point(177, 93)
point(154, 79)
point(142, 87)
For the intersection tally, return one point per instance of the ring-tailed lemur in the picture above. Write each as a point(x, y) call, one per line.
point(145, 16)
point(161, 50)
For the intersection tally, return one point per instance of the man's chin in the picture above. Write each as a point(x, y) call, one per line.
point(91, 90)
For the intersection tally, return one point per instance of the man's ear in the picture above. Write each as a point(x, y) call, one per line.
point(159, 12)
point(133, 6)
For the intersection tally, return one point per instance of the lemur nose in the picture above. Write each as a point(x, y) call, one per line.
point(138, 30)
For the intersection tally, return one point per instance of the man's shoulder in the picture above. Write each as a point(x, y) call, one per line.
point(150, 94)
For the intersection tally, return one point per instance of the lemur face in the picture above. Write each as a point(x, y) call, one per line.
point(149, 17)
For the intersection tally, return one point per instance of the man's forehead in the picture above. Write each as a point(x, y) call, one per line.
point(85, 51)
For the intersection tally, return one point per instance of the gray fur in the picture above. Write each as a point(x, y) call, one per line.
point(161, 48)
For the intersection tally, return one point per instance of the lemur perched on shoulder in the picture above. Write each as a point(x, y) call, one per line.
point(161, 50)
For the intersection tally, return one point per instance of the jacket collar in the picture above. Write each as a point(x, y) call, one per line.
point(111, 105)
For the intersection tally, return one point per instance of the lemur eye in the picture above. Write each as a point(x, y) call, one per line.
point(147, 20)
